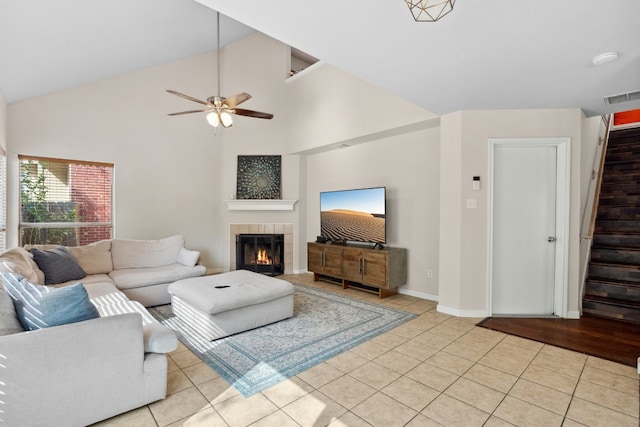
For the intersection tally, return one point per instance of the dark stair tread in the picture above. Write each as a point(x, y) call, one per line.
point(613, 264)
point(616, 240)
point(612, 309)
point(613, 302)
point(612, 178)
point(614, 272)
point(611, 282)
point(617, 226)
point(613, 212)
point(619, 199)
point(617, 188)
point(616, 256)
point(612, 291)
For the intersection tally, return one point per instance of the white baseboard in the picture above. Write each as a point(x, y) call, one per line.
point(461, 313)
point(418, 294)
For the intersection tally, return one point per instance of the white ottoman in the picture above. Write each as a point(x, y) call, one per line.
point(225, 304)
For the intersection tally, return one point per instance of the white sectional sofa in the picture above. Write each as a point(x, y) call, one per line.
point(141, 269)
point(79, 373)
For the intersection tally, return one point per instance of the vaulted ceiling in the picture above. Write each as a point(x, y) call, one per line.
point(489, 54)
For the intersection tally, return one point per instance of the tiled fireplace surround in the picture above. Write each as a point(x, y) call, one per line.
point(286, 229)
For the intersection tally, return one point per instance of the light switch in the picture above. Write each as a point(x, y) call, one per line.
point(472, 203)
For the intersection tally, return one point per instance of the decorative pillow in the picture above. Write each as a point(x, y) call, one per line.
point(40, 306)
point(145, 253)
point(187, 257)
point(94, 258)
point(58, 265)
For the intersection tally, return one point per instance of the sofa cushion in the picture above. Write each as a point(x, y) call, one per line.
point(9, 323)
point(157, 338)
point(20, 261)
point(58, 265)
point(139, 277)
point(40, 306)
point(145, 253)
point(94, 258)
point(187, 257)
point(104, 293)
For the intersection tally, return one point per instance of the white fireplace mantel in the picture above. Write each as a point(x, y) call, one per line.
point(260, 205)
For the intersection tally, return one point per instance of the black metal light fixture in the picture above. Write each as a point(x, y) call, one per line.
point(429, 10)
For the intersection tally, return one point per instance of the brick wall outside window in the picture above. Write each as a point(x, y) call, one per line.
point(91, 192)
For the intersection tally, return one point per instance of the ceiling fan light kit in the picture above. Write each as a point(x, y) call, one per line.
point(219, 109)
point(223, 118)
point(429, 10)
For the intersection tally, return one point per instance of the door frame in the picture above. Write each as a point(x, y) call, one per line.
point(563, 191)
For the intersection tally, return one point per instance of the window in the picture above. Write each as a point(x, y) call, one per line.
point(64, 202)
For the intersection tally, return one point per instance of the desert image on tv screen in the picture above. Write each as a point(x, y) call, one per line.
point(355, 215)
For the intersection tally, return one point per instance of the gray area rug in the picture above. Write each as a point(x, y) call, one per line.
point(323, 325)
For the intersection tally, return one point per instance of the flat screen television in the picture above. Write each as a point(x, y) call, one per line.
point(356, 215)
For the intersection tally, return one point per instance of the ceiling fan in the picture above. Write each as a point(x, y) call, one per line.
point(218, 108)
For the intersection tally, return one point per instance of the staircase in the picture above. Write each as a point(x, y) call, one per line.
point(612, 288)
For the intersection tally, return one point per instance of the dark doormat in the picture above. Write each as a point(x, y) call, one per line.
point(604, 338)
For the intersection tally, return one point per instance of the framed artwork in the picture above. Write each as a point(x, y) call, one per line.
point(259, 177)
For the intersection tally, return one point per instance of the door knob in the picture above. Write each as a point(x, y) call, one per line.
point(551, 239)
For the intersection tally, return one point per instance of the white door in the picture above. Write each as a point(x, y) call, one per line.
point(523, 227)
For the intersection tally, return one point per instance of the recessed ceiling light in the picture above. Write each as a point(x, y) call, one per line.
point(603, 58)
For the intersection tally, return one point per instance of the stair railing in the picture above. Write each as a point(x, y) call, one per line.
point(588, 222)
point(598, 182)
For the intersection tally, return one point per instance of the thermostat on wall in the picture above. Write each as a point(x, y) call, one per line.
point(476, 183)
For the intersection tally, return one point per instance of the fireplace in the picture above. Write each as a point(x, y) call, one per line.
point(261, 253)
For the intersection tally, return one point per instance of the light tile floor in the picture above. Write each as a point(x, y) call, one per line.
point(435, 370)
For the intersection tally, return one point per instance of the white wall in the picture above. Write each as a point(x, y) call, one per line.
point(408, 166)
point(464, 232)
point(391, 143)
point(328, 107)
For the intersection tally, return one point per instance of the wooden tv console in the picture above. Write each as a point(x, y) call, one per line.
point(376, 270)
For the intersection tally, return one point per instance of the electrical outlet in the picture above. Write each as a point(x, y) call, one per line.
point(429, 273)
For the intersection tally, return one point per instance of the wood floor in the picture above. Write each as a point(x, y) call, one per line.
point(608, 339)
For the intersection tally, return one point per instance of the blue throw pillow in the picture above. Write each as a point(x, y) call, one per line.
point(40, 306)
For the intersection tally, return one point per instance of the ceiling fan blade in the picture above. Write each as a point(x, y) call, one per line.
point(187, 112)
point(190, 98)
point(234, 100)
point(250, 113)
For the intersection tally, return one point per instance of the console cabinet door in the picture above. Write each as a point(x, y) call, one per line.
point(315, 258)
point(333, 261)
point(374, 268)
point(368, 267)
point(323, 259)
point(352, 265)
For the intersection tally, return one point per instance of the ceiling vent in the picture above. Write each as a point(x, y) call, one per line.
point(624, 97)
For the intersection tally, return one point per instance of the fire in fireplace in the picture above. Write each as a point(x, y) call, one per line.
point(261, 253)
